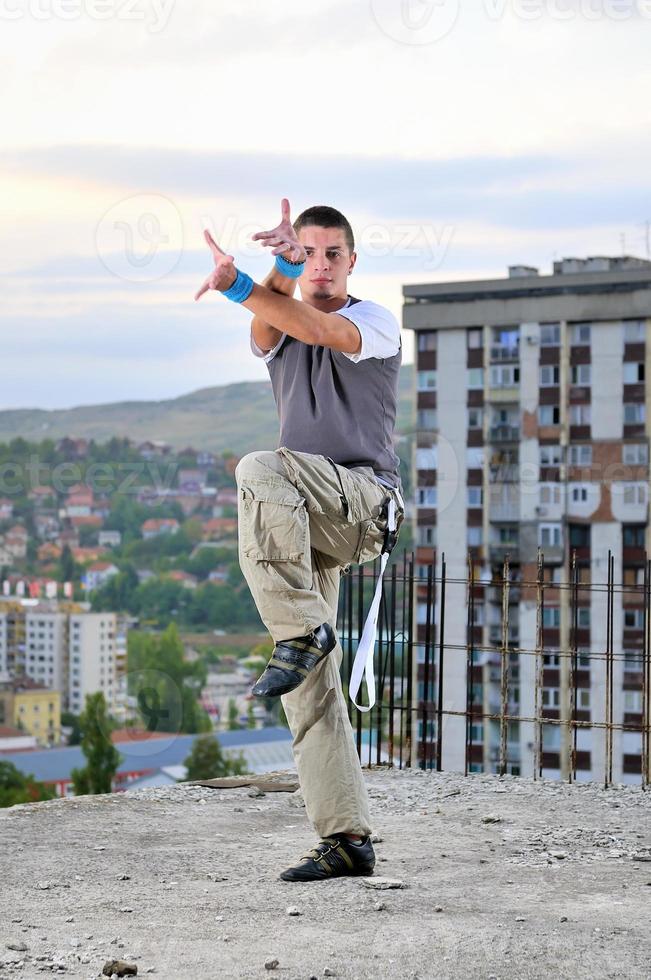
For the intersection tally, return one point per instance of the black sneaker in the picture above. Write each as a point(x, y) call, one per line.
point(333, 856)
point(292, 660)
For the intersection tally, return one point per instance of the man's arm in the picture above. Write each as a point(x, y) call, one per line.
point(302, 321)
point(283, 237)
point(266, 336)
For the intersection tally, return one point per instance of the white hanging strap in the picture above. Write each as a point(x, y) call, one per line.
point(363, 662)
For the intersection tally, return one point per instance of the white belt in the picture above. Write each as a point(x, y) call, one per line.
point(363, 662)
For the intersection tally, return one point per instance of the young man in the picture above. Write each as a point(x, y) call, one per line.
point(318, 503)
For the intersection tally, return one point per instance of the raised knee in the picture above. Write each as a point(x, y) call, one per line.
point(255, 465)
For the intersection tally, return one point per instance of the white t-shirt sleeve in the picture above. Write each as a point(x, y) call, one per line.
point(267, 355)
point(378, 327)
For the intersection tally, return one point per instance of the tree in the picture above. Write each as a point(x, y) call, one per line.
point(233, 715)
point(102, 756)
point(16, 787)
point(69, 720)
point(207, 760)
point(166, 686)
point(250, 716)
point(67, 568)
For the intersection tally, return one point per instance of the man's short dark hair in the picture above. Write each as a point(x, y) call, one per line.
point(326, 217)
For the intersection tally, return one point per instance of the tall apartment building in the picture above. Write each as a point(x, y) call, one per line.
point(63, 648)
point(533, 431)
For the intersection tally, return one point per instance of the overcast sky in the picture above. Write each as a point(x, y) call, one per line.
point(458, 136)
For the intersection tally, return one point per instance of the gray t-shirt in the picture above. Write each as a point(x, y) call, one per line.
point(341, 405)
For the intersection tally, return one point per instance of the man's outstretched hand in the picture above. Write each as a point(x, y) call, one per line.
point(282, 239)
point(224, 274)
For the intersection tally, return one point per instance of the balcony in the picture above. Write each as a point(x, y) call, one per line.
point(504, 432)
point(495, 635)
point(497, 552)
point(504, 511)
point(502, 352)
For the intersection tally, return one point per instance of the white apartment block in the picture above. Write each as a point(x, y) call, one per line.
point(76, 653)
point(533, 415)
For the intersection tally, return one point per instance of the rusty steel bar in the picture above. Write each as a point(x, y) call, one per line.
point(439, 699)
point(574, 611)
point(645, 753)
point(470, 605)
point(504, 676)
point(538, 680)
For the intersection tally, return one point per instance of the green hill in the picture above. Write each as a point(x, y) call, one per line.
point(240, 417)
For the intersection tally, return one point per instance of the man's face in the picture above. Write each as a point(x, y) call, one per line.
point(325, 275)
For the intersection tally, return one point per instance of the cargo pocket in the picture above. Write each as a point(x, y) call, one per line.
point(370, 542)
point(273, 522)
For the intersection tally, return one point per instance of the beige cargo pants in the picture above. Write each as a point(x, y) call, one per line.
point(301, 520)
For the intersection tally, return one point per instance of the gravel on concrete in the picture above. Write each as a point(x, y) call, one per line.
point(490, 878)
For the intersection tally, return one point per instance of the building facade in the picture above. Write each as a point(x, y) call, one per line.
point(533, 433)
point(65, 649)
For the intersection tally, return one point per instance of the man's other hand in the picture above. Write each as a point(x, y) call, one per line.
point(224, 274)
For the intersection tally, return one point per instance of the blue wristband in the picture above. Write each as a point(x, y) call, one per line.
point(241, 288)
point(290, 269)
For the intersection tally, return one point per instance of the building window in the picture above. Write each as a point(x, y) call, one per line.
point(474, 457)
point(477, 732)
point(634, 413)
point(633, 661)
point(426, 496)
point(475, 496)
point(583, 697)
point(550, 455)
point(633, 619)
point(549, 414)
point(634, 493)
point(426, 458)
point(583, 617)
point(634, 331)
point(426, 535)
point(427, 340)
point(475, 378)
point(549, 493)
point(505, 375)
point(550, 535)
point(475, 537)
point(580, 455)
point(427, 380)
point(426, 418)
point(579, 535)
point(580, 414)
point(549, 375)
point(633, 702)
point(633, 535)
point(580, 333)
point(475, 418)
point(581, 374)
point(550, 334)
point(633, 372)
point(551, 697)
point(579, 493)
point(475, 338)
point(635, 453)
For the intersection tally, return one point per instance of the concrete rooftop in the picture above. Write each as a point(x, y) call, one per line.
point(530, 880)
